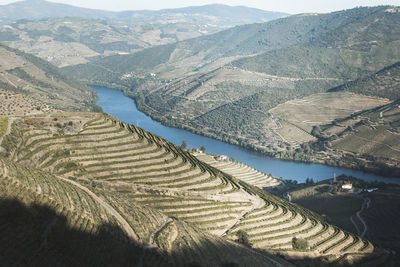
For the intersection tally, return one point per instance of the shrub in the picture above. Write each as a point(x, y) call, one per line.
point(243, 238)
point(299, 243)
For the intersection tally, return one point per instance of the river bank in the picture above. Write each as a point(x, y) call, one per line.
point(116, 103)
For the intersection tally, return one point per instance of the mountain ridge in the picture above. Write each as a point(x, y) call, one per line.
point(39, 9)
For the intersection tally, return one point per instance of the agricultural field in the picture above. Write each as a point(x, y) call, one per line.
point(13, 104)
point(319, 109)
point(242, 171)
point(42, 86)
point(336, 208)
point(378, 209)
point(382, 218)
point(373, 133)
point(163, 197)
point(3, 125)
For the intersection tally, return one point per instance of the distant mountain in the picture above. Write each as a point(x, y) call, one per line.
point(67, 35)
point(31, 76)
point(221, 15)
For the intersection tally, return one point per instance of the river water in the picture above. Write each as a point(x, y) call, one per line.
point(115, 103)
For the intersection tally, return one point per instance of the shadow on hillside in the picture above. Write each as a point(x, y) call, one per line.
point(36, 236)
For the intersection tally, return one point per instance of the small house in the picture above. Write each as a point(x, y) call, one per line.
point(222, 157)
point(347, 186)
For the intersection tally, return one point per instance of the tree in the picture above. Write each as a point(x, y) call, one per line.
point(243, 238)
point(184, 144)
point(203, 149)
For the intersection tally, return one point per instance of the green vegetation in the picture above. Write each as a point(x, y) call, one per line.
point(243, 238)
point(161, 195)
point(33, 77)
point(381, 84)
point(3, 125)
point(341, 207)
point(299, 243)
point(229, 85)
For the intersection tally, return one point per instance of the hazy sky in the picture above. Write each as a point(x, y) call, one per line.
point(289, 6)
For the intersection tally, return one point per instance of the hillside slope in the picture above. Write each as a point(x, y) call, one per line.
point(37, 79)
point(385, 83)
point(129, 168)
point(227, 84)
point(66, 35)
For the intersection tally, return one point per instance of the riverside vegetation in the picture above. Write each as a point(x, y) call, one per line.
point(228, 85)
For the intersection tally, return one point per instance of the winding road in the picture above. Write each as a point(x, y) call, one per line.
point(364, 206)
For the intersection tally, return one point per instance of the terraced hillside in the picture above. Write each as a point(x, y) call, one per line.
point(226, 84)
point(44, 84)
point(169, 198)
point(48, 221)
point(91, 211)
point(242, 171)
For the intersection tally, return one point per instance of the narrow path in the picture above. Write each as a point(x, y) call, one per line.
point(154, 235)
point(364, 206)
point(5, 77)
point(128, 229)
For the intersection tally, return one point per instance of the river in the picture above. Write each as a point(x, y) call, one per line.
point(115, 103)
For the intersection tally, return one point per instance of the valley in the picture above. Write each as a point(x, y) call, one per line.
point(230, 85)
point(209, 135)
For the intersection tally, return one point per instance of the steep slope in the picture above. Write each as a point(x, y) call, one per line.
point(212, 86)
point(384, 83)
point(221, 15)
point(67, 35)
point(28, 75)
point(125, 211)
point(50, 222)
point(367, 138)
point(129, 168)
point(242, 172)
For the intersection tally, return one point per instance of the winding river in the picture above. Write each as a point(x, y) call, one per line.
point(115, 103)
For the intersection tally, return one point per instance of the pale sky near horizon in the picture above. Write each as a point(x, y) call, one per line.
point(288, 6)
